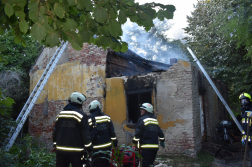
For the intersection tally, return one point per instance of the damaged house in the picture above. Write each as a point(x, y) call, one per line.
point(186, 106)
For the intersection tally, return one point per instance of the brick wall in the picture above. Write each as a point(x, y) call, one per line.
point(178, 108)
point(90, 54)
point(41, 125)
point(175, 108)
point(84, 71)
point(176, 99)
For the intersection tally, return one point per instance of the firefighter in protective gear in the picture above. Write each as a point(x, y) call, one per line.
point(147, 134)
point(102, 132)
point(246, 114)
point(71, 135)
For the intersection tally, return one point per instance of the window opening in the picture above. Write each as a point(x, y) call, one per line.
point(134, 99)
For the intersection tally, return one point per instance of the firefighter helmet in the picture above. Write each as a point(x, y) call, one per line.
point(245, 96)
point(148, 107)
point(77, 97)
point(245, 99)
point(94, 104)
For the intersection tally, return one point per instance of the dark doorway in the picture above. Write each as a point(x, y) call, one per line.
point(135, 98)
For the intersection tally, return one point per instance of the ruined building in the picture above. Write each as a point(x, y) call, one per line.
point(185, 104)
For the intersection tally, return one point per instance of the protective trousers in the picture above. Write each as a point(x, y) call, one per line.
point(148, 157)
point(64, 160)
point(100, 160)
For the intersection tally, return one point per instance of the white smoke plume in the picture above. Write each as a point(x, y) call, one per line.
point(153, 45)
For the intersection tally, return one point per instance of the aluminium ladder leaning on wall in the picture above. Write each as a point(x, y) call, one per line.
point(35, 94)
point(215, 89)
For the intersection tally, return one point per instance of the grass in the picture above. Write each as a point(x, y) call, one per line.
point(203, 159)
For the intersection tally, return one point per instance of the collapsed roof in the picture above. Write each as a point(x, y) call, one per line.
point(129, 63)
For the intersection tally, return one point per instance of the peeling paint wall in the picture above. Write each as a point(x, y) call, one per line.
point(174, 109)
point(116, 105)
point(83, 72)
point(175, 95)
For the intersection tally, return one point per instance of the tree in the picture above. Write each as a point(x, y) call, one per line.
point(240, 25)
point(154, 45)
point(77, 21)
point(15, 66)
point(223, 56)
point(5, 117)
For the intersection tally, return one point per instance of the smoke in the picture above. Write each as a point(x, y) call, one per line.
point(153, 45)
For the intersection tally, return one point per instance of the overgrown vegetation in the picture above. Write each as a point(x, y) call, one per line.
point(16, 61)
point(5, 117)
point(27, 152)
point(92, 21)
point(15, 64)
point(219, 33)
point(204, 159)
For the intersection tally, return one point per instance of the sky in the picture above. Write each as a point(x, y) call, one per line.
point(146, 46)
point(183, 8)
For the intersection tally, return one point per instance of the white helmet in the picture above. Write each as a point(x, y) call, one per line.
point(94, 104)
point(77, 97)
point(148, 107)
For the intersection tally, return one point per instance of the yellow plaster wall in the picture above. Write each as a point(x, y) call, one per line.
point(115, 100)
point(169, 123)
point(69, 77)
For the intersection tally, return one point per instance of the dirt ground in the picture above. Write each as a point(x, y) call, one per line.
point(231, 157)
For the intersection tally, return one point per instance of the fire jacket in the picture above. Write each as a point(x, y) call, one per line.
point(245, 121)
point(147, 133)
point(71, 131)
point(106, 135)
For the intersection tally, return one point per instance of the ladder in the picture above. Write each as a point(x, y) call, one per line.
point(215, 89)
point(34, 95)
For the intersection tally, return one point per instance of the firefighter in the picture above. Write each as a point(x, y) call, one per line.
point(147, 134)
point(246, 114)
point(71, 135)
point(103, 134)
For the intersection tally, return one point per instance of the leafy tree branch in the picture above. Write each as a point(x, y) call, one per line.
point(78, 21)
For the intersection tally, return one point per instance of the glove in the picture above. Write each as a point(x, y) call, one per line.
point(249, 114)
point(243, 141)
point(162, 144)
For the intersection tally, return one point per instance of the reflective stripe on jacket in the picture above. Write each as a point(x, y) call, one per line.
point(148, 133)
point(245, 121)
point(106, 135)
point(71, 131)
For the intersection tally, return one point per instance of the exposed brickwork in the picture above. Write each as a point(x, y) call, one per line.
point(177, 103)
point(174, 103)
point(94, 83)
point(88, 101)
point(41, 126)
point(45, 61)
point(178, 98)
point(90, 54)
point(34, 69)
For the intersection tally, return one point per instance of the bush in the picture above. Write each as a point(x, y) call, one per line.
point(27, 152)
